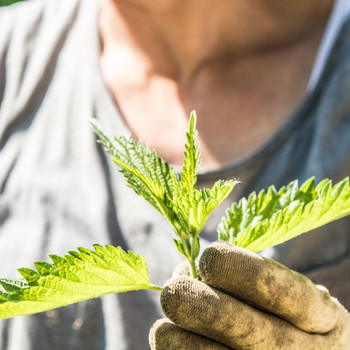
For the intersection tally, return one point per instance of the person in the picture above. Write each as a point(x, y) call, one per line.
point(270, 82)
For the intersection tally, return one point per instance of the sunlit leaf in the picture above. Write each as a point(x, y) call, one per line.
point(273, 217)
point(75, 277)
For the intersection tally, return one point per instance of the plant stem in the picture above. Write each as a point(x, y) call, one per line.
point(157, 288)
point(193, 269)
point(192, 250)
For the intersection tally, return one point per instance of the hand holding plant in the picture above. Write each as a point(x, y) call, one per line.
point(248, 302)
point(258, 222)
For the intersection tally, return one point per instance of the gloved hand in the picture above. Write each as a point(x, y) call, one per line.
point(248, 302)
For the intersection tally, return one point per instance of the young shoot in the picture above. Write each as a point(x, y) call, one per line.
point(174, 196)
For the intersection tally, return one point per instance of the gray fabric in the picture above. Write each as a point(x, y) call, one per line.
point(59, 190)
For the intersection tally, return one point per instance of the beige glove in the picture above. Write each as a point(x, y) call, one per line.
point(248, 302)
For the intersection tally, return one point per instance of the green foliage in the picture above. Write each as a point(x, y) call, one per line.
point(258, 222)
point(273, 217)
point(174, 196)
point(192, 158)
point(75, 277)
point(146, 173)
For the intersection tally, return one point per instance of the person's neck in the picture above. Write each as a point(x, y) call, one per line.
point(178, 38)
point(242, 65)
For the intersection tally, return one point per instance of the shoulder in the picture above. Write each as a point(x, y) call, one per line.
point(38, 24)
point(23, 22)
point(34, 33)
point(24, 10)
point(30, 27)
point(32, 13)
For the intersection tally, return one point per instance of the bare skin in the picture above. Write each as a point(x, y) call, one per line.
point(242, 65)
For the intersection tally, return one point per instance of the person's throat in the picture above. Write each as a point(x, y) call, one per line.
point(177, 38)
point(244, 90)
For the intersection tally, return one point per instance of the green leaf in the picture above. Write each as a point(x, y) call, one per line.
point(146, 173)
point(75, 277)
point(273, 217)
point(192, 158)
point(193, 209)
point(13, 285)
point(181, 248)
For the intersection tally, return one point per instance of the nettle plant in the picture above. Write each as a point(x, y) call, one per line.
point(255, 223)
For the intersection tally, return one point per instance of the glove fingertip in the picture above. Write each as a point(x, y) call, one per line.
point(157, 332)
point(174, 295)
point(268, 286)
point(165, 335)
point(222, 259)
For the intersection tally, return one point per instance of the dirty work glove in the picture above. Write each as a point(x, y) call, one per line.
point(248, 302)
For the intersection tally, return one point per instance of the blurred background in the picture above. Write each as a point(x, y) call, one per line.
point(8, 2)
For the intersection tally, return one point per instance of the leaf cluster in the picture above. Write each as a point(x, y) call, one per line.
point(273, 217)
point(174, 195)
